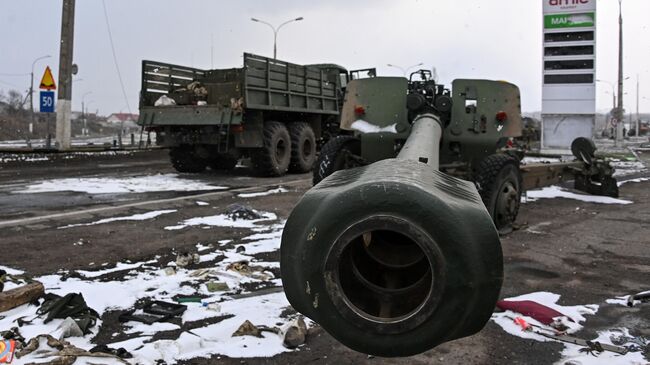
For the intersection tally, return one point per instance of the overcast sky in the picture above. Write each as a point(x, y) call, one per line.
point(462, 39)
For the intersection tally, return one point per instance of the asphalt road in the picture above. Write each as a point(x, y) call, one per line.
point(585, 252)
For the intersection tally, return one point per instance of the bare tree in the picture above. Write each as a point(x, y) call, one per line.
point(15, 102)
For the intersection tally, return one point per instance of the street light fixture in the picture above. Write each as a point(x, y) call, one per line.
point(31, 92)
point(404, 70)
point(275, 31)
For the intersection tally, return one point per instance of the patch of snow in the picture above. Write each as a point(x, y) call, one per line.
point(627, 167)
point(200, 203)
point(641, 179)
point(366, 127)
point(263, 193)
point(572, 355)
point(135, 217)
point(154, 283)
point(108, 185)
point(222, 220)
point(120, 266)
point(558, 192)
point(11, 271)
point(622, 300)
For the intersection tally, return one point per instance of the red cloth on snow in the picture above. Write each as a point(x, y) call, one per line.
point(531, 309)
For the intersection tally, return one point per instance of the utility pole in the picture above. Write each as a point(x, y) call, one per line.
point(619, 108)
point(637, 105)
point(64, 102)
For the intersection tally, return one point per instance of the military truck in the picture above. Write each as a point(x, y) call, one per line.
point(275, 112)
point(480, 119)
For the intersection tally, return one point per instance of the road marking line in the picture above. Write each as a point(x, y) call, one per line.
point(24, 221)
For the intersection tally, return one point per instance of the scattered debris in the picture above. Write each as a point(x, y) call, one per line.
point(214, 286)
point(247, 329)
point(185, 259)
point(243, 268)
point(18, 296)
point(239, 211)
point(541, 313)
point(641, 297)
point(68, 328)
point(71, 305)
point(7, 349)
point(294, 334)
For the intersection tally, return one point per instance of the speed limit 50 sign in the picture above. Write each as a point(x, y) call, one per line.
point(47, 101)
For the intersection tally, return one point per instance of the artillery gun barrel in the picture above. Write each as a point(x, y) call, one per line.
point(423, 144)
point(394, 258)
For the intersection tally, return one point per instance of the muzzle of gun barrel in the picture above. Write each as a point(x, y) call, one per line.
point(393, 258)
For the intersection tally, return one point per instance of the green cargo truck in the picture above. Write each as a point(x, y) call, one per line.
point(275, 112)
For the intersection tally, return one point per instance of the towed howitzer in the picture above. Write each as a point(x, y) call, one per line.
point(395, 257)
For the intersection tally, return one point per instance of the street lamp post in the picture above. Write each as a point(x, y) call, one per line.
point(83, 111)
point(613, 92)
point(404, 70)
point(275, 31)
point(31, 92)
point(619, 109)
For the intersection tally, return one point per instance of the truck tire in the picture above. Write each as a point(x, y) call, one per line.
point(223, 161)
point(303, 147)
point(185, 160)
point(273, 159)
point(498, 181)
point(335, 155)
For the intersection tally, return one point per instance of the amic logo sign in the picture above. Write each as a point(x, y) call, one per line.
point(47, 82)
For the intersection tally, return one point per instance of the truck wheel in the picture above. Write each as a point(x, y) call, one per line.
point(498, 181)
point(185, 160)
point(273, 159)
point(336, 155)
point(303, 147)
point(223, 161)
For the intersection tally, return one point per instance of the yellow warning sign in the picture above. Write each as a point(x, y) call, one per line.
point(47, 82)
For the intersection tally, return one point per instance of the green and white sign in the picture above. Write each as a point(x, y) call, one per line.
point(554, 21)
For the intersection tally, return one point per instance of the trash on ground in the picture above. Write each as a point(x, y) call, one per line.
point(185, 259)
point(68, 328)
point(241, 211)
point(541, 313)
point(214, 286)
point(294, 333)
point(71, 305)
point(15, 297)
point(7, 349)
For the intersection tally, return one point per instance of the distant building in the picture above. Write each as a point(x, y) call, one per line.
point(117, 118)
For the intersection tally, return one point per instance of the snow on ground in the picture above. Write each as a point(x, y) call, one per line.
point(263, 193)
point(110, 185)
point(641, 179)
point(201, 203)
point(222, 220)
point(135, 217)
point(627, 167)
point(571, 353)
point(151, 280)
point(558, 192)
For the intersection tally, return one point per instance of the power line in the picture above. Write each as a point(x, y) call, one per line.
point(119, 74)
